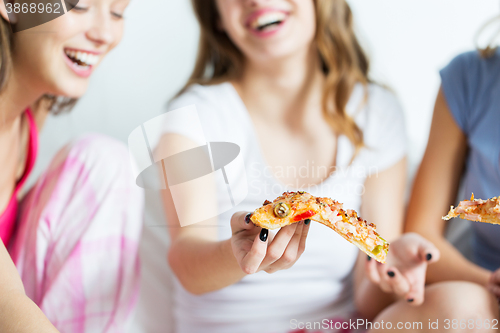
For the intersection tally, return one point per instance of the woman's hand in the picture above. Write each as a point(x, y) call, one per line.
point(256, 249)
point(404, 272)
point(494, 284)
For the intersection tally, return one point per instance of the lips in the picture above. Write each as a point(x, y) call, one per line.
point(266, 21)
point(80, 61)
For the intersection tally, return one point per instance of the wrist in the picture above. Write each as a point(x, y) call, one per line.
point(486, 278)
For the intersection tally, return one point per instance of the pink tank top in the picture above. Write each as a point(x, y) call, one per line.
point(8, 217)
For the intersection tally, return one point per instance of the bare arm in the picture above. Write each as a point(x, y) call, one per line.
point(17, 312)
point(201, 262)
point(383, 204)
point(435, 189)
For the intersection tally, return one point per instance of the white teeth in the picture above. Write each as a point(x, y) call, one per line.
point(88, 59)
point(268, 18)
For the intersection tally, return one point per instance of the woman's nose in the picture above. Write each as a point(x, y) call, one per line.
point(101, 31)
point(255, 3)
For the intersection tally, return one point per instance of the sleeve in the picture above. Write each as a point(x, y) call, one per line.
point(457, 85)
point(385, 133)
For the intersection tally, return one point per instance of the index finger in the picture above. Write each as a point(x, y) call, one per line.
point(495, 277)
point(240, 221)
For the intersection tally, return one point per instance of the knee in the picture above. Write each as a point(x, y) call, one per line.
point(458, 300)
point(461, 300)
point(98, 151)
point(98, 159)
point(95, 170)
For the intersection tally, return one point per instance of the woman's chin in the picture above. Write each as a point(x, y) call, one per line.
point(71, 89)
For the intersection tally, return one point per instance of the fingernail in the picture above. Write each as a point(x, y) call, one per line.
point(391, 273)
point(263, 234)
point(307, 221)
point(428, 256)
point(410, 300)
point(247, 218)
point(369, 258)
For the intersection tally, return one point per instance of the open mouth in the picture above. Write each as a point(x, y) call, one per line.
point(83, 60)
point(268, 21)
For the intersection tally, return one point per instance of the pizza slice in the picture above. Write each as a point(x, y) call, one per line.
point(479, 210)
point(292, 207)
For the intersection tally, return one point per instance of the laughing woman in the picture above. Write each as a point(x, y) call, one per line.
point(287, 81)
point(74, 237)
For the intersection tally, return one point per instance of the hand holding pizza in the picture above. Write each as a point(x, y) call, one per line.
point(256, 249)
point(404, 272)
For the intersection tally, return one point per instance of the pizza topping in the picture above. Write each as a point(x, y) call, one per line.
point(304, 215)
point(281, 210)
point(377, 249)
point(479, 210)
point(267, 202)
point(292, 207)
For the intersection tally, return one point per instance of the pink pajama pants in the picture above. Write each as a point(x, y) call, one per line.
point(76, 244)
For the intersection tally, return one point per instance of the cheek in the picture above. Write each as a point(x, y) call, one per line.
point(229, 19)
point(117, 34)
point(307, 12)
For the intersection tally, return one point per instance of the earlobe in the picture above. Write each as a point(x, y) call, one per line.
point(3, 11)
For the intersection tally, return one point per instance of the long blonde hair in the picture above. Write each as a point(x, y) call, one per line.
point(343, 61)
point(488, 50)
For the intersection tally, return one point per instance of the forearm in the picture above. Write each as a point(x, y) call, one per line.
point(19, 314)
point(204, 266)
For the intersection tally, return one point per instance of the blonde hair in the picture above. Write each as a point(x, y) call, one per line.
point(490, 48)
point(344, 62)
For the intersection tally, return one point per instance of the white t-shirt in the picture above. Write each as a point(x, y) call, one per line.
point(319, 285)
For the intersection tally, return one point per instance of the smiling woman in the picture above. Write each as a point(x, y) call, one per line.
point(86, 203)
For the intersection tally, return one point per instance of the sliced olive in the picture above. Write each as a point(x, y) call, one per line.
point(281, 210)
point(377, 249)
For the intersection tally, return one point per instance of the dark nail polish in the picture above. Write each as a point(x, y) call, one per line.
point(247, 218)
point(369, 258)
point(391, 273)
point(428, 256)
point(263, 234)
point(410, 300)
point(307, 221)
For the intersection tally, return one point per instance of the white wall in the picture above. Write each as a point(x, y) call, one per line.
point(408, 40)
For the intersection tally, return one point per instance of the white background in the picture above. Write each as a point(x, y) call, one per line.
point(407, 40)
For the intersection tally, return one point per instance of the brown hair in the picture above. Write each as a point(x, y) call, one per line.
point(5, 51)
point(55, 104)
point(343, 61)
